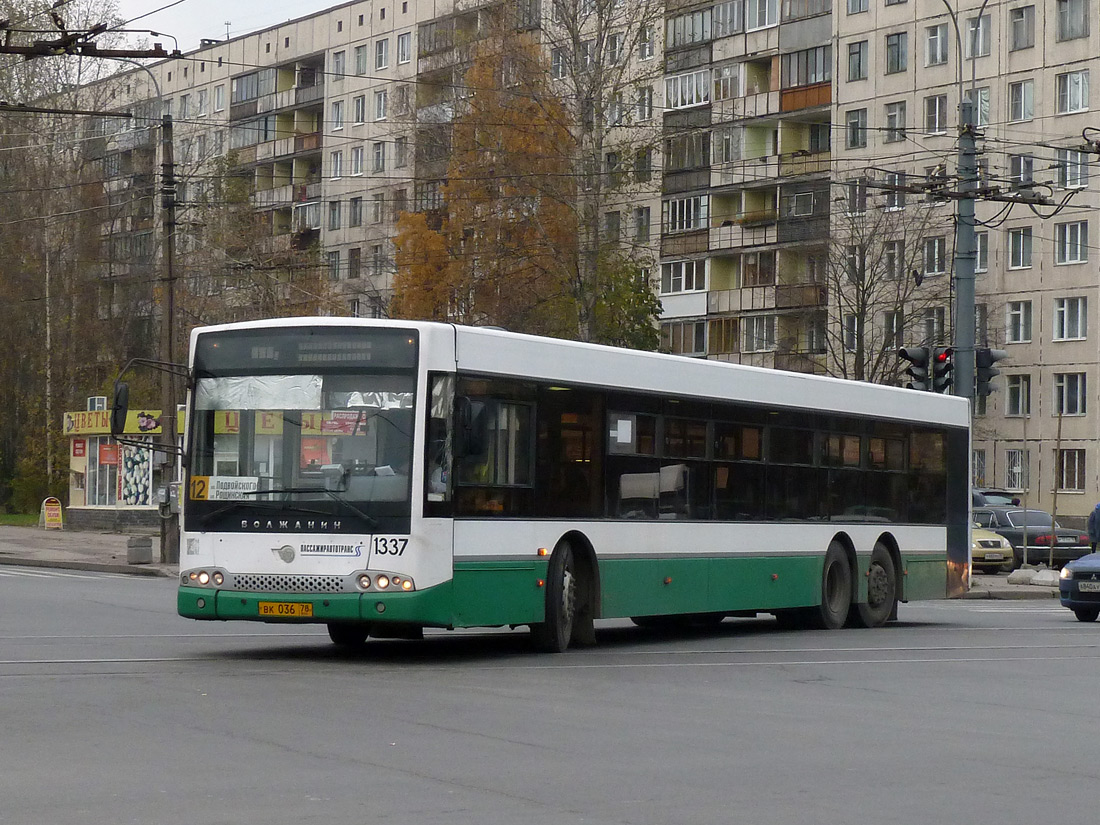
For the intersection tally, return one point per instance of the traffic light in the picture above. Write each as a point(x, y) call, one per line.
point(942, 367)
point(919, 369)
point(984, 371)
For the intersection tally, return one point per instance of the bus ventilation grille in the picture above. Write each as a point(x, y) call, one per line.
point(289, 584)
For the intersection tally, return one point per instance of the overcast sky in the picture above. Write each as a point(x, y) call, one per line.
point(191, 20)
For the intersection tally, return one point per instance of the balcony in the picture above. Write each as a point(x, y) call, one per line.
point(308, 94)
point(742, 108)
point(436, 113)
point(310, 142)
point(749, 299)
point(808, 362)
point(740, 172)
point(804, 97)
point(792, 296)
point(732, 234)
point(804, 163)
point(279, 196)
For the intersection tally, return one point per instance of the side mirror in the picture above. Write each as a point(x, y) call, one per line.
point(120, 406)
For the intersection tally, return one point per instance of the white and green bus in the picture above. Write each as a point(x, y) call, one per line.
point(382, 477)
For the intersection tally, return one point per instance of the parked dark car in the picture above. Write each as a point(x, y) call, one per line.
point(1042, 534)
point(988, 497)
point(1079, 587)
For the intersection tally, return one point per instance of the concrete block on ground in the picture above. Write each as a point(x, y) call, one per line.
point(1022, 576)
point(1049, 578)
point(139, 550)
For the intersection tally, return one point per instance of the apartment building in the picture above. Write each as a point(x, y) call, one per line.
point(745, 217)
point(903, 66)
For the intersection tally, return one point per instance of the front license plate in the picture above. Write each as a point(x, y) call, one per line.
point(1089, 587)
point(286, 610)
point(994, 557)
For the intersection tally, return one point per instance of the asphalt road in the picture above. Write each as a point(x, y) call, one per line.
point(117, 711)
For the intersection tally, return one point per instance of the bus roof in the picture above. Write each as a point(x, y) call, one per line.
point(492, 351)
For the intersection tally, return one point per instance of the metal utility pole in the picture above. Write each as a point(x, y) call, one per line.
point(169, 527)
point(965, 253)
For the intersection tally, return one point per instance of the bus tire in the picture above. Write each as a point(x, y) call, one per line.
point(836, 589)
point(555, 633)
point(351, 635)
point(882, 589)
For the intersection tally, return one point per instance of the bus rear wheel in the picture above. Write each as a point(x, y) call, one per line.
point(882, 589)
point(836, 589)
point(554, 634)
point(351, 635)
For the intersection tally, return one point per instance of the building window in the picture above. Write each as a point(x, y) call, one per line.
point(334, 265)
point(339, 66)
point(684, 337)
point(981, 251)
point(1073, 19)
point(895, 122)
point(557, 63)
point(894, 194)
point(641, 224)
point(219, 98)
point(1018, 328)
point(935, 52)
point(377, 207)
point(805, 68)
point(856, 198)
point(1021, 170)
point(1072, 92)
point(1018, 395)
point(855, 133)
point(1069, 393)
point(685, 29)
point(337, 164)
point(857, 60)
point(897, 52)
point(683, 276)
point(382, 53)
point(381, 104)
point(645, 43)
point(337, 110)
point(645, 103)
point(893, 330)
point(612, 226)
point(379, 155)
point(685, 214)
point(761, 13)
point(1071, 242)
point(759, 333)
point(400, 152)
point(857, 6)
point(1017, 471)
point(758, 269)
point(333, 215)
point(855, 262)
point(1071, 470)
point(686, 90)
point(1069, 319)
point(977, 36)
point(1021, 100)
point(1073, 169)
point(355, 260)
point(1021, 21)
point(934, 325)
point(404, 48)
point(935, 114)
point(893, 254)
point(355, 212)
point(1019, 247)
point(979, 100)
point(935, 255)
point(360, 60)
point(643, 165)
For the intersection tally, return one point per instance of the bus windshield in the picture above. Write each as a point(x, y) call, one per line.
point(310, 437)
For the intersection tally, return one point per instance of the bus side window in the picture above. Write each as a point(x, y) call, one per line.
point(440, 440)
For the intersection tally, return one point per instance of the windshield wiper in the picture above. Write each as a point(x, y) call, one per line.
point(269, 506)
point(332, 494)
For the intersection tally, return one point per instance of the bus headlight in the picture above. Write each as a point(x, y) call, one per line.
point(382, 582)
point(364, 582)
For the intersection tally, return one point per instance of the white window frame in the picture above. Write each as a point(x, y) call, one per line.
point(1071, 92)
point(935, 45)
point(1020, 247)
point(759, 333)
point(1021, 100)
point(1070, 393)
point(687, 90)
point(1071, 242)
point(1018, 322)
point(1070, 319)
point(678, 277)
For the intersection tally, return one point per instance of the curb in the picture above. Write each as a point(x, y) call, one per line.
point(99, 567)
point(1023, 594)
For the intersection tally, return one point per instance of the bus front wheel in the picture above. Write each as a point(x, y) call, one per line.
point(348, 634)
point(554, 634)
point(882, 589)
point(836, 589)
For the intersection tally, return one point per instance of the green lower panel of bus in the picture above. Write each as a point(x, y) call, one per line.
point(430, 607)
point(651, 587)
point(503, 593)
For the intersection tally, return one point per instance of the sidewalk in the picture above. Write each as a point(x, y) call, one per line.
point(87, 550)
point(76, 550)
